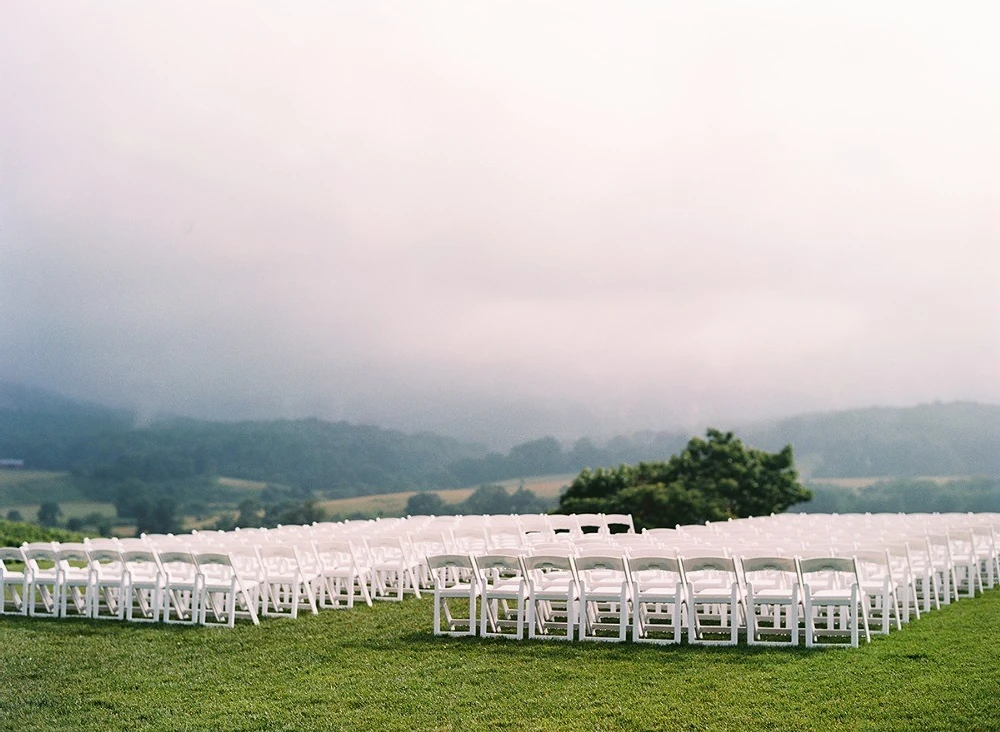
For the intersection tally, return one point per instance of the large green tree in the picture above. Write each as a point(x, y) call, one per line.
point(712, 479)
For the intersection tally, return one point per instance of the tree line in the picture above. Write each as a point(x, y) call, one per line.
point(978, 495)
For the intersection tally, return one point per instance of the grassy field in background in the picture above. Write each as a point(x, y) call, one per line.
point(381, 668)
point(70, 509)
point(34, 486)
point(865, 482)
point(24, 490)
point(250, 486)
point(394, 504)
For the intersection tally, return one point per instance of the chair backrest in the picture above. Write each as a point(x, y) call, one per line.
point(106, 562)
point(559, 548)
point(564, 524)
point(777, 572)
point(707, 572)
point(618, 523)
point(873, 566)
point(768, 564)
point(591, 523)
point(335, 554)
point(429, 541)
point(719, 565)
point(10, 555)
point(650, 571)
point(215, 562)
point(654, 562)
point(498, 564)
point(278, 558)
point(72, 555)
point(469, 539)
point(178, 566)
point(534, 523)
point(539, 563)
point(829, 572)
point(40, 558)
point(457, 561)
point(598, 562)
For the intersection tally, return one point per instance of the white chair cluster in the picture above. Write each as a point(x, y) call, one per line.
point(771, 579)
point(825, 578)
point(217, 577)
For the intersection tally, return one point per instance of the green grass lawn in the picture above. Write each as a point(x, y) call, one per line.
point(381, 668)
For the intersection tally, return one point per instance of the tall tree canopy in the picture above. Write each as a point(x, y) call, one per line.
point(712, 479)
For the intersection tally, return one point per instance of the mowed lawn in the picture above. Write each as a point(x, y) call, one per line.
point(381, 668)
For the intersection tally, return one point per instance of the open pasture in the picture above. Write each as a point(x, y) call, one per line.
point(35, 486)
point(394, 504)
point(381, 668)
point(69, 509)
point(864, 482)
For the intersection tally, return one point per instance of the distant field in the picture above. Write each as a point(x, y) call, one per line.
point(30, 486)
point(70, 509)
point(28, 477)
point(547, 486)
point(249, 485)
point(865, 482)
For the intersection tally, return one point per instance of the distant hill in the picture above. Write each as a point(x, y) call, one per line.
point(52, 432)
point(959, 438)
point(337, 459)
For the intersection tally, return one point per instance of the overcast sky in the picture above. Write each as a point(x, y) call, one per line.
point(501, 220)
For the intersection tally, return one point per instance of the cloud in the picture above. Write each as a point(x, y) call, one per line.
point(453, 216)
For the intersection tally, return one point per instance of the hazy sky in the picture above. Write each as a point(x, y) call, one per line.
point(501, 219)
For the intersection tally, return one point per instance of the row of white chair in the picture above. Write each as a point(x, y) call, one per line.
point(661, 598)
point(934, 559)
point(70, 579)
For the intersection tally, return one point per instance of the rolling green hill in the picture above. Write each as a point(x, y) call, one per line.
point(960, 438)
point(338, 460)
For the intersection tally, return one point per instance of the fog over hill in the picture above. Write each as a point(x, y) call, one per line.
point(498, 221)
point(339, 458)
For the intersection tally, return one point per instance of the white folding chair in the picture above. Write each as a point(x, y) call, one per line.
point(942, 567)
point(504, 591)
point(181, 587)
point(454, 577)
point(284, 583)
point(715, 600)
point(426, 543)
point(925, 581)
point(658, 602)
point(13, 582)
point(965, 562)
point(881, 590)
point(773, 600)
point(604, 587)
point(108, 576)
point(76, 594)
point(222, 594)
point(552, 596)
point(902, 574)
point(834, 601)
point(393, 571)
point(43, 579)
point(143, 579)
point(986, 550)
point(341, 578)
